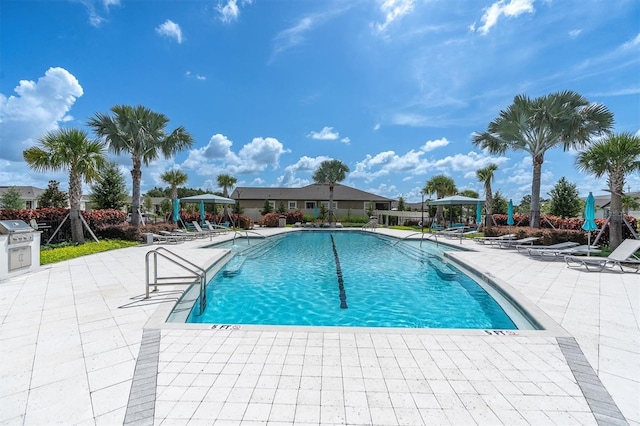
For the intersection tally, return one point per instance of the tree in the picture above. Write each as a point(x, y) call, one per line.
point(331, 172)
point(266, 208)
point(500, 204)
point(630, 203)
point(226, 182)
point(401, 206)
point(525, 204)
point(12, 199)
point(140, 132)
point(467, 210)
point(442, 186)
point(174, 178)
point(281, 208)
point(73, 150)
point(486, 176)
point(615, 156)
point(52, 197)
point(159, 192)
point(536, 125)
point(565, 200)
point(110, 189)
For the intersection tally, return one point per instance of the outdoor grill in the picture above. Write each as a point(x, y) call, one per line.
point(19, 248)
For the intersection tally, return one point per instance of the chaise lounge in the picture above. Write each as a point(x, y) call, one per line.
point(623, 254)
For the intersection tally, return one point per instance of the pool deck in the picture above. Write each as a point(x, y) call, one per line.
point(75, 348)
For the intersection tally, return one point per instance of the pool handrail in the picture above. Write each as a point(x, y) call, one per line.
point(428, 236)
point(246, 231)
point(198, 273)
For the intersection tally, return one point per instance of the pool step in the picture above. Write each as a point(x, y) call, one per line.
point(234, 266)
point(444, 271)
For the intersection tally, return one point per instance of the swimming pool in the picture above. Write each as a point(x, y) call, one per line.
point(324, 278)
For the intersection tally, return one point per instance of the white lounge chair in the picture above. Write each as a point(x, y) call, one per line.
point(534, 250)
point(513, 243)
point(560, 253)
point(623, 254)
point(169, 239)
point(491, 240)
point(199, 231)
point(217, 228)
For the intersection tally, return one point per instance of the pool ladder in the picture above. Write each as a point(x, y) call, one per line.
point(197, 274)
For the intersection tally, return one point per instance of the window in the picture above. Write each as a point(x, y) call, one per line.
point(272, 204)
point(367, 205)
point(326, 204)
point(293, 205)
point(29, 204)
point(310, 205)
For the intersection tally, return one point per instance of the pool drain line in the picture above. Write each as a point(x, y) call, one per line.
point(343, 294)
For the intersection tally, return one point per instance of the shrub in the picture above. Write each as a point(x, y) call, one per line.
point(270, 220)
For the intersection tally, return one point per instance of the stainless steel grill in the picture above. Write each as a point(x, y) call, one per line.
point(20, 246)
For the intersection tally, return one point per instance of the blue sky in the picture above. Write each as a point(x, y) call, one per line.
point(271, 88)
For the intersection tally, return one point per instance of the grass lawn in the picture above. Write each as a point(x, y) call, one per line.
point(59, 253)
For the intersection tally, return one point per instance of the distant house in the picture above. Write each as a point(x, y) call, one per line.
point(29, 194)
point(603, 205)
point(347, 201)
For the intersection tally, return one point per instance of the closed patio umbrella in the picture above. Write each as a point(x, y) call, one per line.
point(510, 215)
point(201, 211)
point(589, 220)
point(176, 210)
point(478, 214)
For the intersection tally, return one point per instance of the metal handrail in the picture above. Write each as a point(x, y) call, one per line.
point(246, 231)
point(197, 271)
point(428, 236)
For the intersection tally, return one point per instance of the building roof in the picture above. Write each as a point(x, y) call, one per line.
point(310, 192)
point(26, 192)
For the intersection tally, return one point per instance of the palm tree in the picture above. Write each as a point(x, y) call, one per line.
point(73, 150)
point(537, 125)
point(485, 175)
point(616, 156)
point(174, 178)
point(225, 182)
point(331, 172)
point(141, 133)
point(442, 186)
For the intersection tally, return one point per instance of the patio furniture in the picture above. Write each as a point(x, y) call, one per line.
point(560, 253)
point(623, 254)
point(490, 240)
point(537, 249)
point(512, 243)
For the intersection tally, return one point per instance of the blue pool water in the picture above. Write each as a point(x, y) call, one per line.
point(322, 278)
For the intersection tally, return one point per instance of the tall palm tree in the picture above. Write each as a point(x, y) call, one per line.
point(485, 175)
point(174, 178)
point(615, 156)
point(73, 150)
point(225, 182)
point(331, 172)
point(536, 125)
point(442, 186)
point(141, 133)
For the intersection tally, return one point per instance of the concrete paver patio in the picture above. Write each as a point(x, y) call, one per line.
point(75, 350)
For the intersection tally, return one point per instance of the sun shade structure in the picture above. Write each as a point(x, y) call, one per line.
point(207, 199)
point(455, 200)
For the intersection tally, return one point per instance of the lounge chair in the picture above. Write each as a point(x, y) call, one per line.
point(181, 235)
point(513, 243)
point(560, 253)
point(623, 254)
point(169, 239)
point(217, 228)
point(199, 231)
point(491, 240)
point(536, 249)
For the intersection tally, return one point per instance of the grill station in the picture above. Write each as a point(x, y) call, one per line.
point(19, 248)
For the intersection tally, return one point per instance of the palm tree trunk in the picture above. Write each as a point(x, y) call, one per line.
point(488, 205)
point(75, 193)
point(331, 219)
point(534, 216)
point(136, 177)
point(615, 226)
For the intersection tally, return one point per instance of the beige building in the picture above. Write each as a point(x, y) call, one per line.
point(347, 201)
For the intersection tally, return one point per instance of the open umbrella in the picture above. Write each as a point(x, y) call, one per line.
point(589, 220)
point(478, 214)
point(201, 211)
point(176, 210)
point(510, 215)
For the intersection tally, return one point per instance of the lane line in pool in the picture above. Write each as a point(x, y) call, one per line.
point(342, 292)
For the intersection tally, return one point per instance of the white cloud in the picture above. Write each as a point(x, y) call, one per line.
point(217, 156)
point(258, 181)
point(346, 140)
point(632, 43)
point(393, 10)
point(326, 134)
point(574, 33)
point(37, 108)
point(171, 30)
point(376, 127)
point(431, 145)
point(229, 12)
point(96, 17)
point(189, 74)
point(512, 8)
point(304, 164)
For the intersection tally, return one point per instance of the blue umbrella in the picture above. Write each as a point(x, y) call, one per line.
point(478, 214)
point(589, 219)
point(315, 212)
point(176, 210)
point(201, 211)
point(510, 213)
